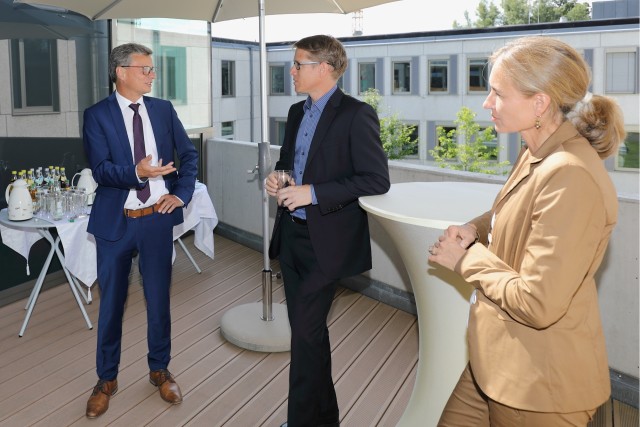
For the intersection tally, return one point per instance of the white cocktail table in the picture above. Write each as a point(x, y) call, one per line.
point(414, 214)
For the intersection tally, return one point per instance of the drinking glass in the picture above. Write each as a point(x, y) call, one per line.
point(80, 195)
point(68, 205)
point(44, 206)
point(283, 177)
point(36, 205)
point(55, 206)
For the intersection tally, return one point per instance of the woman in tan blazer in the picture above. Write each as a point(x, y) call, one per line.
point(536, 346)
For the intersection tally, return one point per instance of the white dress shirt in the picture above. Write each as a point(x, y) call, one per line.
point(156, 184)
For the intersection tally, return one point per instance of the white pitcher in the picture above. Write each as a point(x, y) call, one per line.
point(87, 182)
point(20, 205)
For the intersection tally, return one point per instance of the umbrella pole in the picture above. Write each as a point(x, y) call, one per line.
point(242, 325)
point(264, 168)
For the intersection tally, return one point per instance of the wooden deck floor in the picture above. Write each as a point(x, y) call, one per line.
point(48, 374)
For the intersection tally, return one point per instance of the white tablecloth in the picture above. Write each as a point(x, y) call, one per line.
point(199, 216)
point(80, 246)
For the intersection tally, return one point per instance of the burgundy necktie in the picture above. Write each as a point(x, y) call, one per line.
point(139, 152)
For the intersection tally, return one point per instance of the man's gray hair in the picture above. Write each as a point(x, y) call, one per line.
point(121, 55)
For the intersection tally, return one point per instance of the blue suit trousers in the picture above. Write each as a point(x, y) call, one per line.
point(152, 237)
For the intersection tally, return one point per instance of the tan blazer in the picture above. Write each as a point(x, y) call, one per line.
point(535, 334)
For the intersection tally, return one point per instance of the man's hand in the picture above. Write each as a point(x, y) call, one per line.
point(167, 203)
point(145, 169)
point(271, 184)
point(294, 196)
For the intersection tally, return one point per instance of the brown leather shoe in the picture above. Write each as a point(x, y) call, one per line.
point(169, 389)
point(98, 403)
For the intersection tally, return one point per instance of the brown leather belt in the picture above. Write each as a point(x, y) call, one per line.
point(139, 213)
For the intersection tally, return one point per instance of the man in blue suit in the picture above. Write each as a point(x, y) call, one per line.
point(130, 140)
point(332, 145)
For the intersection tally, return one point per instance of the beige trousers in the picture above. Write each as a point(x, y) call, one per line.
point(468, 406)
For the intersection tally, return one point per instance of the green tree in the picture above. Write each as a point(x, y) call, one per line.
point(396, 136)
point(579, 12)
point(517, 12)
point(553, 10)
point(471, 153)
point(488, 15)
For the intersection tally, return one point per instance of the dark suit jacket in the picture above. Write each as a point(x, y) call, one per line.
point(345, 161)
point(109, 154)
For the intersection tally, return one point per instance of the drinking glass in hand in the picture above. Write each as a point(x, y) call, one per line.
point(283, 177)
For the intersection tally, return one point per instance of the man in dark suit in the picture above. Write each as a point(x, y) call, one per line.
point(332, 145)
point(127, 138)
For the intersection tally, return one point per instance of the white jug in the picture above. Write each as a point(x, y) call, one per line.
point(19, 200)
point(87, 182)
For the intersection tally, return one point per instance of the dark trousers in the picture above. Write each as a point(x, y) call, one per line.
point(309, 293)
point(152, 237)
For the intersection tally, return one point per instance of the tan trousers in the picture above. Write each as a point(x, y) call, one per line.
point(468, 406)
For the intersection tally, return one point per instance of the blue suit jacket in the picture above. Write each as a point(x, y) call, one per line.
point(109, 153)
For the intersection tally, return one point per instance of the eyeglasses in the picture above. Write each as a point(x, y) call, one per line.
point(146, 70)
point(299, 64)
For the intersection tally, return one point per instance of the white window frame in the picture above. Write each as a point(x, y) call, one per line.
point(612, 72)
point(273, 67)
point(223, 126)
point(20, 72)
point(445, 91)
point(360, 64)
point(471, 60)
point(395, 90)
point(231, 77)
point(621, 149)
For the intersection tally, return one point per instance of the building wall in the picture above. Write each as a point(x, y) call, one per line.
point(83, 80)
point(615, 9)
point(425, 109)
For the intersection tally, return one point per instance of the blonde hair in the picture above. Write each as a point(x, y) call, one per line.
point(538, 64)
point(323, 48)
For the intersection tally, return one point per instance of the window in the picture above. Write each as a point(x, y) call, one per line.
point(228, 78)
point(415, 135)
point(227, 130)
point(280, 125)
point(621, 72)
point(34, 76)
point(171, 79)
point(276, 73)
point(439, 75)
point(447, 131)
point(401, 77)
point(628, 156)
point(478, 75)
point(492, 146)
point(367, 75)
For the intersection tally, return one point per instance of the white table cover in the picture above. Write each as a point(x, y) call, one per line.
point(20, 240)
point(199, 216)
point(80, 246)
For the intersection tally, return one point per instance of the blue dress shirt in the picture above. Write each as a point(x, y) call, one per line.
point(312, 113)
